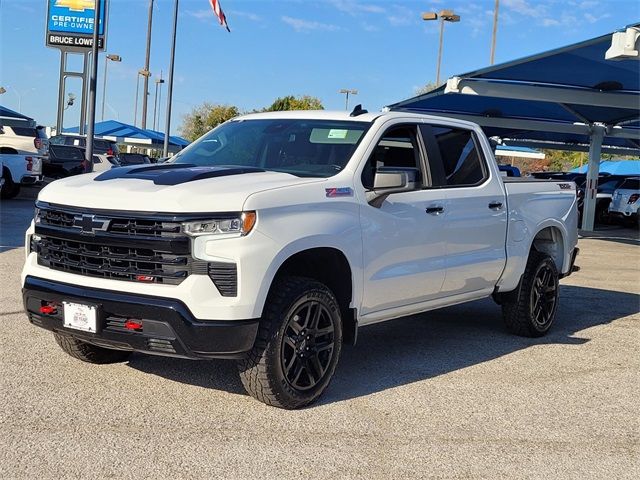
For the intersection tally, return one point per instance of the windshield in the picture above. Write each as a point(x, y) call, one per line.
point(305, 148)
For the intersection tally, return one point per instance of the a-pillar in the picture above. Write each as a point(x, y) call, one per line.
point(591, 185)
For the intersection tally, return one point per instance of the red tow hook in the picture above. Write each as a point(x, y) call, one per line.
point(134, 325)
point(48, 309)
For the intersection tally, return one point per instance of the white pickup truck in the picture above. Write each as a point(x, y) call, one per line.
point(17, 170)
point(275, 236)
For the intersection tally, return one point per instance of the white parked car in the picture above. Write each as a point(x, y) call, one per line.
point(102, 162)
point(276, 236)
point(625, 203)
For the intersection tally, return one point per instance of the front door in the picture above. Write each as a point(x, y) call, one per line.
point(403, 239)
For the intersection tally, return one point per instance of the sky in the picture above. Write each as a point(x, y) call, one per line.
point(288, 47)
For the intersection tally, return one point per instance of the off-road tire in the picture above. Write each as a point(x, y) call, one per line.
point(263, 370)
point(518, 307)
point(90, 353)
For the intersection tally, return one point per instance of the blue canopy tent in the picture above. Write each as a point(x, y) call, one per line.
point(14, 119)
point(620, 167)
point(583, 97)
point(133, 136)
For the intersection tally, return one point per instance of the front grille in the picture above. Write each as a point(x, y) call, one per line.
point(147, 249)
point(123, 226)
point(114, 262)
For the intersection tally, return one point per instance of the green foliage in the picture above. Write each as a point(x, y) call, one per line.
point(304, 102)
point(208, 116)
point(426, 88)
point(205, 117)
point(564, 160)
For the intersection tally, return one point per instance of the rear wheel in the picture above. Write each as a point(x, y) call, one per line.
point(531, 309)
point(10, 189)
point(298, 345)
point(89, 353)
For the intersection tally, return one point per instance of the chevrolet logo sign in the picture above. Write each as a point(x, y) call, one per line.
point(89, 224)
point(77, 5)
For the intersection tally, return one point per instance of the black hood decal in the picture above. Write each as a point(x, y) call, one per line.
point(173, 174)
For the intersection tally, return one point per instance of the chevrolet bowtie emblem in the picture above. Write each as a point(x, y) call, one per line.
point(89, 224)
point(77, 5)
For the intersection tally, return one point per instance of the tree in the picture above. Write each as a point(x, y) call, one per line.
point(426, 88)
point(205, 117)
point(304, 102)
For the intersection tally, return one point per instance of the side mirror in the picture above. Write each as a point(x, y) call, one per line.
point(391, 180)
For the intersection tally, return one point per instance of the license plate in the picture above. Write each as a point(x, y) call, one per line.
point(80, 317)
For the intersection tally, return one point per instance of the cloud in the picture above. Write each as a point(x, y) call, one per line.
point(248, 15)
point(300, 25)
point(524, 8)
point(204, 14)
point(367, 27)
point(354, 8)
point(402, 16)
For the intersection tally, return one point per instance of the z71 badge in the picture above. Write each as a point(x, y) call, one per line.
point(339, 192)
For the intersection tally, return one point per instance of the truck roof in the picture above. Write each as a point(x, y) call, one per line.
point(344, 115)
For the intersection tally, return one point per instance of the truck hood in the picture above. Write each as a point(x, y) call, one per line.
point(167, 188)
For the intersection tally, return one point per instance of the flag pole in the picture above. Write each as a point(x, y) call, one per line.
point(165, 152)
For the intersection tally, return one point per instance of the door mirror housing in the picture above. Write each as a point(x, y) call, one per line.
point(388, 180)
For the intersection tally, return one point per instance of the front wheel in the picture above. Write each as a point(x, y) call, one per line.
point(531, 309)
point(298, 345)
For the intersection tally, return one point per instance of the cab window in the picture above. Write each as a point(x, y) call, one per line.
point(454, 156)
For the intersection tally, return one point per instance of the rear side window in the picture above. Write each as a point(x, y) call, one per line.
point(24, 131)
point(631, 184)
point(454, 156)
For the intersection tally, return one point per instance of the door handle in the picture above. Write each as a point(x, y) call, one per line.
point(495, 205)
point(435, 210)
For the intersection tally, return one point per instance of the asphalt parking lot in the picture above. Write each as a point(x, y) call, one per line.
point(446, 394)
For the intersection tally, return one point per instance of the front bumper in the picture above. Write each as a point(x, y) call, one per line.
point(169, 327)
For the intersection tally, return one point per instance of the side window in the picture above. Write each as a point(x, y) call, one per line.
point(398, 148)
point(454, 156)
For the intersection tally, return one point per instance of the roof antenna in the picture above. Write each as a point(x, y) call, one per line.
point(358, 110)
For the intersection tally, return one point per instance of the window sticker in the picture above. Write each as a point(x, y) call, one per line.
point(337, 133)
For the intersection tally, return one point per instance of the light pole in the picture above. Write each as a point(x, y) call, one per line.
point(144, 73)
point(113, 58)
point(159, 82)
point(146, 67)
point(444, 16)
point(346, 92)
point(495, 29)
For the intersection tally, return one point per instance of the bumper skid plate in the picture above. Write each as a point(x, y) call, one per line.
point(162, 326)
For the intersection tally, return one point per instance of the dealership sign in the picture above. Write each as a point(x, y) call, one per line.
point(70, 24)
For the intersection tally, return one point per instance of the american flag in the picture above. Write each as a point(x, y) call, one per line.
point(215, 5)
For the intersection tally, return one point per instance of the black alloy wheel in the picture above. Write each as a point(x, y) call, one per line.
point(307, 345)
point(530, 309)
point(543, 296)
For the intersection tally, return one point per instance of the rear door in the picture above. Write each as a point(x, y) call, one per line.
point(475, 209)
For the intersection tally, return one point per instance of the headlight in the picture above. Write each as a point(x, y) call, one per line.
point(240, 225)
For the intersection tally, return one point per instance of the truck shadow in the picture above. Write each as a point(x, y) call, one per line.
point(420, 347)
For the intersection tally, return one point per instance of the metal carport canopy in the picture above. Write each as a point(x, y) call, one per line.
point(570, 98)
